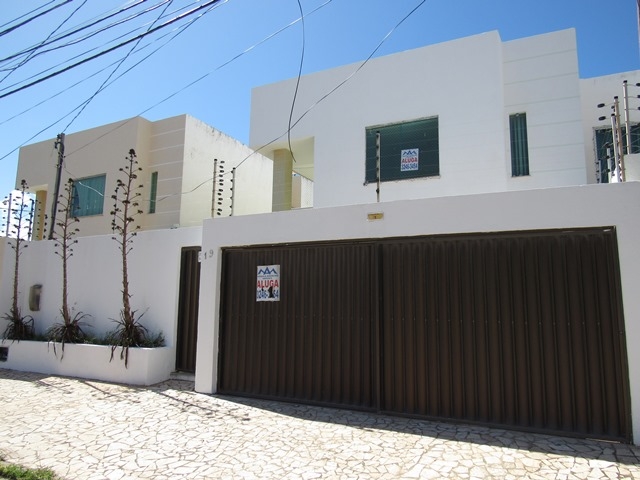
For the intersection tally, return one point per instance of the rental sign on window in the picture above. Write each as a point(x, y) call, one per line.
point(409, 159)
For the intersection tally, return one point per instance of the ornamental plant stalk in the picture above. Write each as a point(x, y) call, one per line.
point(19, 327)
point(129, 332)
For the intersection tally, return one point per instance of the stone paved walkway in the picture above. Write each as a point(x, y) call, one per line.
point(92, 430)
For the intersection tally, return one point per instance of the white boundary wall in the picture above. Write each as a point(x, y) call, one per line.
point(95, 280)
point(570, 207)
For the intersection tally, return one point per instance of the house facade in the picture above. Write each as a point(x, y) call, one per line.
point(176, 156)
point(474, 115)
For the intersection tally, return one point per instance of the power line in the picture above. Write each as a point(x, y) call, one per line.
point(105, 82)
point(21, 24)
point(80, 29)
point(295, 93)
point(180, 29)
point(104, 52)
point(34, 52)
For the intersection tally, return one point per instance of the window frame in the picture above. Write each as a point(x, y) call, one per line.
point(93, 207)
point(405, 137)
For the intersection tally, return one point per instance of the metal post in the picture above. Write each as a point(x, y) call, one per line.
point(616, 109)
point(233, 189)
point(627, 122)
point(213, 191)
point(378, 166)
point(614, 132)
point(54, 204)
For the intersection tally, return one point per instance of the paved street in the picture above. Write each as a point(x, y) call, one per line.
point(92, 430)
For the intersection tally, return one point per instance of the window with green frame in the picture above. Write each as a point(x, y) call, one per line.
point(88, 196)
point(519, 145)
point(407, 150)
point(153, 193)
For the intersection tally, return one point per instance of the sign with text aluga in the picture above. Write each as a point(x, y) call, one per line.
point(409, 159)
point(268, 283)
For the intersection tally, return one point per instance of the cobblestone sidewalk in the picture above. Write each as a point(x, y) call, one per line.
point(92, 430)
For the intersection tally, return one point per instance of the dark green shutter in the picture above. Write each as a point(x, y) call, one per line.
point(519, 145)
point(421, 135)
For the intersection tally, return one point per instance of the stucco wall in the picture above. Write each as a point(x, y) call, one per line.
point(471, 84)
point(95, 280)
point(569, 207)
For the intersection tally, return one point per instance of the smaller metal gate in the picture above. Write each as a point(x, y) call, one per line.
point(188, 309)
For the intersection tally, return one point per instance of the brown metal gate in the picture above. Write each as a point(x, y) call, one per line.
point(515, 329)
point(520, 330)
point(188, 309)
point(315, 344)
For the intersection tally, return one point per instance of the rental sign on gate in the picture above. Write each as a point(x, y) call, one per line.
point(268, 283)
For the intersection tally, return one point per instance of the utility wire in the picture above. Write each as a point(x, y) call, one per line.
point(34, 52)
point(180, 29)
point(295, 93)
point(91, 49)
point(106, 81)
point(104, 52)
point(22, 24)
point(211, 72)
point(339, 85)
point(80, 29)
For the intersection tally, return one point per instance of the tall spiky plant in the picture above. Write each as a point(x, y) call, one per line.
point(129, 332)
point(19, 327)
point(70, 330)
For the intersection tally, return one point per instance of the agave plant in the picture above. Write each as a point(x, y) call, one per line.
point(19, 327)
point(68, 331)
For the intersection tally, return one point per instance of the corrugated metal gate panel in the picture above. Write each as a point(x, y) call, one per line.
point(188, 309)
point(515, 330)
point(316, 343)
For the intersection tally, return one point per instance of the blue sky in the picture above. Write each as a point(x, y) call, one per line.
point(338, 32)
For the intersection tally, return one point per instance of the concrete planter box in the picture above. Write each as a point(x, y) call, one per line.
point(146, 365)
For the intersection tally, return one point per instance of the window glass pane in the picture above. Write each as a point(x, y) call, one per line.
point(519, 145)
point(604, 140)
point(407, 150)
point(88, 196)
point(154, 190)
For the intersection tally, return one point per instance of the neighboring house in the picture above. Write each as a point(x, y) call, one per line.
point(177, 160)
point(473, 115)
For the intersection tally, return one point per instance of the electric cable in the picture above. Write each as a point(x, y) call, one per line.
point(120, 22)
point(108, 50)
point(34, 52)
point(349, 77)
point(106, 81)
point(180, 29)
point(80, 28)
point(22, 24)
point(295, 93)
